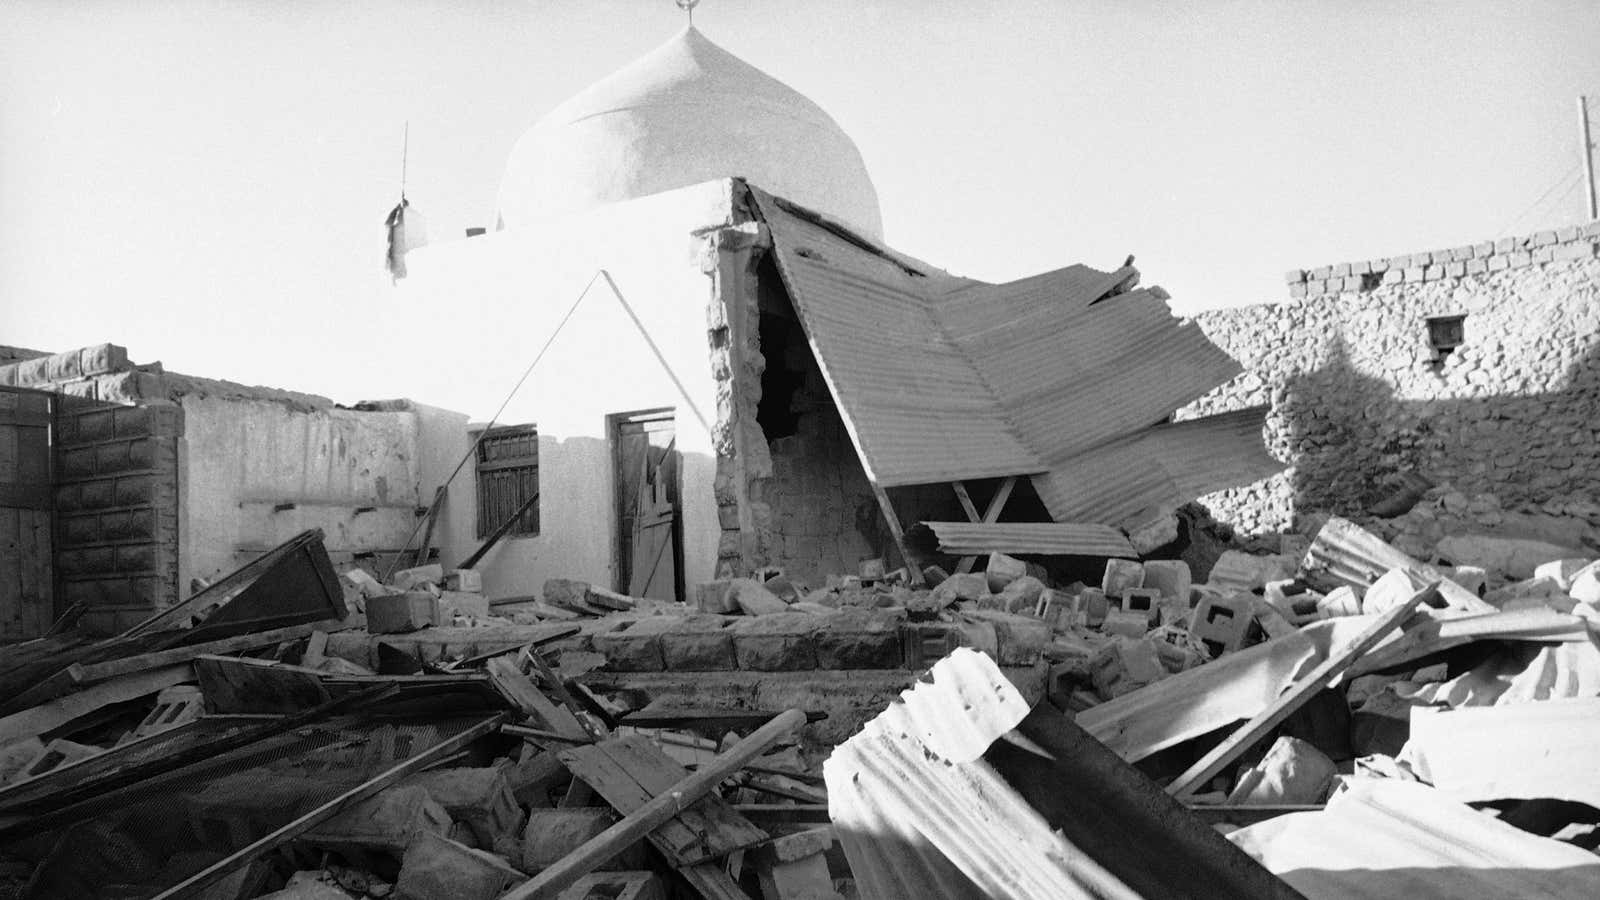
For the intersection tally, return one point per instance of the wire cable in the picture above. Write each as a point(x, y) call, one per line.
point(1575, 170)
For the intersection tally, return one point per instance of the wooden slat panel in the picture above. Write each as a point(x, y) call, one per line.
point(11, 606)
point(629, 771)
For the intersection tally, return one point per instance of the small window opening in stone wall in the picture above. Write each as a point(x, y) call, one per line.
point(1445, 334)
point(1370, 281)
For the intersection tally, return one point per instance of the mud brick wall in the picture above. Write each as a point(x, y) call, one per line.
point(117, 509)
point(1360, 395)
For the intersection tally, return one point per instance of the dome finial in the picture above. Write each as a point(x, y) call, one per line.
point(688, 7)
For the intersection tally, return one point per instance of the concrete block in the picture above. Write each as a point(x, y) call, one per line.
point(416, 577)
point(1292, 772)
point(553, 833)
point(794, 866)
point(714, 597)
point(1001, 570)
point(1142, 600)
point(967, 586)
point(1341, 601)
point(468, 580)
point(979, 635)
point(924, 643)
point(1293, 599)
point(1094, 604)
point(400, 613)
point(1170, 577)
point(479, 797)
point(461, 603)
point(1271, 619)
point(636, 647)
point(532, 779)
point(1221, 622)
point(1060, 611)
point(390, 820)
point(1019, 640)
point(437, 868)
point(1235, 570)
point(1125, 624)
point(858, 638)
point(698, 643)
point(1022, 594)
point(776, 643)
point(616, 886)
point(1121, 575)
point(566, 593)
point(753, 599)
point(1152, 528)
point(1124, 665)
point(933, 576)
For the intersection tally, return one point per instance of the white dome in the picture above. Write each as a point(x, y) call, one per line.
point(684, 113)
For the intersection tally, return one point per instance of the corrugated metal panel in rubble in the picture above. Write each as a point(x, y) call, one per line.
point(914, 803)
point(1048, 538)
point(1169, 463)
point(1464, 752)
point(1390, 838)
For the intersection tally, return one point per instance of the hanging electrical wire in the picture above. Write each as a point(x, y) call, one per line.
point(1570, 176)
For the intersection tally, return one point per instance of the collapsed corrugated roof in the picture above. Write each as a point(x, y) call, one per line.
point(1046, 538)
point(1066, 376)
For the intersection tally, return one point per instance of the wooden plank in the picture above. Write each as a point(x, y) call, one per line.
point(991, 513)
point(57, 713)
point(713, 882)
point(235, 685)
point(892, 518)
point(662, 808)
point(35, 572)
point(93, 672)
point(628, 771)
point(11, 605)
point(967, 506)
point(517, 688)
point(499, 532)
point(560, 690)
point(192, 886)
point(1296, 696)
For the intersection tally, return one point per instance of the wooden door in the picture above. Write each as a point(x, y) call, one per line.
point(26, 606)
point(649, 523)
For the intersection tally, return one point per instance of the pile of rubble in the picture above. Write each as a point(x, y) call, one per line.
point(305, 735)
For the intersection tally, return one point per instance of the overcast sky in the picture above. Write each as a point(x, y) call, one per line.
point(205, 182)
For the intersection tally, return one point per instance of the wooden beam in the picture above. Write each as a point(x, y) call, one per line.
point(58, 713)
point(192, 885)
point(96, 672)
point(560, 690)
point(661, 809)
point(991, 513)
point(1199, 774)
point(898, 533)
point(517, 688)
point(500, 532)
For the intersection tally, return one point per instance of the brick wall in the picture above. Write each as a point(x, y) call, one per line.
point(116, 499)
point(1360, 396)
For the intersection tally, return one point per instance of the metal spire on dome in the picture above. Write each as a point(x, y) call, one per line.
point(688, 7)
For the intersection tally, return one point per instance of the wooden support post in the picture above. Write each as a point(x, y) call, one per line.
point(1296, 696)
point(893, 519)
point(661, 808)
point(991, 513)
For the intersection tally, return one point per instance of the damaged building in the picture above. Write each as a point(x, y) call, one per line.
point(796, 568)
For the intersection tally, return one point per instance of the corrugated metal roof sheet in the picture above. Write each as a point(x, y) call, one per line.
point(1464, 752)
point(1391, 838)
point(1048, 538)
point(1158, 465)
point(915, 407)
point(1351, 554)
point(911, 787)
point(940, 378)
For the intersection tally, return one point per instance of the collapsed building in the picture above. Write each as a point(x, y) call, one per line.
point(796, 567)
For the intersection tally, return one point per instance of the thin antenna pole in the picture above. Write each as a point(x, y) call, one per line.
point(1588, 156)
point(405, 151)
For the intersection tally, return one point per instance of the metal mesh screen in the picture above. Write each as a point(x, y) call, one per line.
point(137, 842)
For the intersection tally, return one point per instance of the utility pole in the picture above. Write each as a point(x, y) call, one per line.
point(1588, 157)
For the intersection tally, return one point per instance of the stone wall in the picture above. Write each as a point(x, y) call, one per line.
point(1361, 397)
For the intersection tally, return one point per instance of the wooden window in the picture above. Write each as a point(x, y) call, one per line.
point(508, 477)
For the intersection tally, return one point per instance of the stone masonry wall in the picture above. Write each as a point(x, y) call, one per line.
point(1358, 396)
